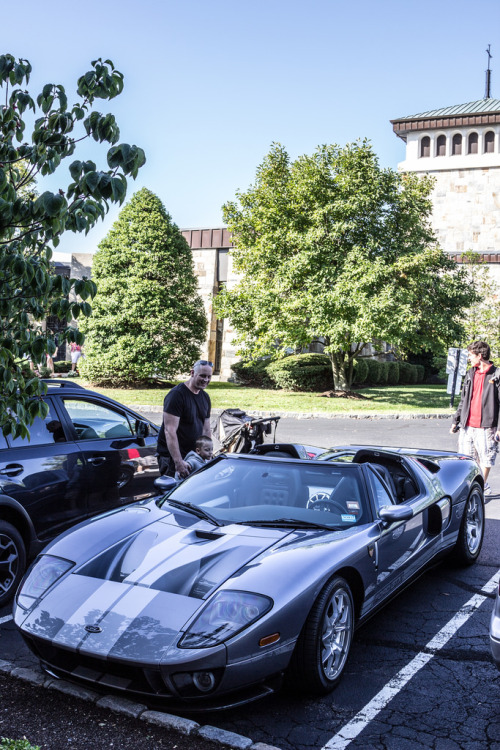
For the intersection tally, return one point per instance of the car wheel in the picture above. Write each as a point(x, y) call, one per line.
point(12, 561)
point(323, 646)
point(470, 536)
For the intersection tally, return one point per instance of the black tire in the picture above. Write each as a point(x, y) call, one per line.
point(12, 561)
point(323, 646)
point(471, 534)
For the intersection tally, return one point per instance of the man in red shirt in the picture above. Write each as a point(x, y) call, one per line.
point(478, 412)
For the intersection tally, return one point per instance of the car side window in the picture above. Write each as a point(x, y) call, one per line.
point(3, 442)
point(42, 431)
point(380, 494)
point(94, 421)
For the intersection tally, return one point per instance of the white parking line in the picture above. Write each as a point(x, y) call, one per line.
point(351, 730)
point(5, 619)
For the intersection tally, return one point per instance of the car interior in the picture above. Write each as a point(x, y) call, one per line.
point(398, 480)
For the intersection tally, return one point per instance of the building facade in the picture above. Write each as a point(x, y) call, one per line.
point(459, 147)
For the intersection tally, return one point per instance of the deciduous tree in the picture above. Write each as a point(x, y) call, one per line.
point(147, 317)
point(31, 224)
point(333, 246)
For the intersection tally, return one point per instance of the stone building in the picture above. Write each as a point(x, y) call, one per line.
point(459, 147)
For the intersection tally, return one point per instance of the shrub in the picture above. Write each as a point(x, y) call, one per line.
point(384, 373)
point(302, 372)
point(408, 373)
point(360, 371)
point(439, 364)
point(420, 373)
point(393, 375)
point(45, 372)
point(373, 371)
point(253, 372)
point(7, 744)
point(62, 366)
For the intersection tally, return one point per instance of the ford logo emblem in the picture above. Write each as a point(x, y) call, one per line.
point(93, 629)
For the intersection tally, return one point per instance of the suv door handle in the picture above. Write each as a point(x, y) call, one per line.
point(12, 470)
point(97, 460)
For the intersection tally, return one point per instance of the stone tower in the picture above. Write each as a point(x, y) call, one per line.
point(460, 147)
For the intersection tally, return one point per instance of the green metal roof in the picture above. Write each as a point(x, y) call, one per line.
point(471, 108)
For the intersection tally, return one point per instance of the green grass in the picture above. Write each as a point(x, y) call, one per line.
point(414, 399)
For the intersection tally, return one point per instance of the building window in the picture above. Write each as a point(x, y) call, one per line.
point(456, 145)
point(473, 141)
point(441, 145)
point(425, 146)
point(489, 142)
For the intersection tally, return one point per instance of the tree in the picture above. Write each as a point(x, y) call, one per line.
point(31, 225)
point(333, 246)
point(482, 320)
point(147, 317)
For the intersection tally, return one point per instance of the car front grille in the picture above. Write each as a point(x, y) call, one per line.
point(99, 673)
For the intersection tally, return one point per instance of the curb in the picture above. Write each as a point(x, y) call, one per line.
point(128, 708)
point(308, 415)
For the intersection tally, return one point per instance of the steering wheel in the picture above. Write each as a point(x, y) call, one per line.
point(322, 501)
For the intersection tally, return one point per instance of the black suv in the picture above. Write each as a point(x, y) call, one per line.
point(89, 455)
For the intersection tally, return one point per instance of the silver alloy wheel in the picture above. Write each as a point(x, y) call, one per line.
point(336, 633)
point(9, 562)
point(474, 515)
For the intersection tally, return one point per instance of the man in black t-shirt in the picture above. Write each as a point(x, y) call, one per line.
point(186, 416)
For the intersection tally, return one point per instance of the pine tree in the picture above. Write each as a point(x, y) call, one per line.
point(148, 319)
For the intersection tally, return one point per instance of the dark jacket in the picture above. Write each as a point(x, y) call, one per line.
point(490, 403)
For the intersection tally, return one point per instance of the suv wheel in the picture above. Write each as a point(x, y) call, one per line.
point(12, 561)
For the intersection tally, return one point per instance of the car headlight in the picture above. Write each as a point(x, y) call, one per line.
point(44, 572)
point(226, 614)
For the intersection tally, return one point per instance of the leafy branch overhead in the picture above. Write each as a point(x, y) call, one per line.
point(31, 225)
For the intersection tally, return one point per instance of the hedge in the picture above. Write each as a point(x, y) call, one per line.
point(360, 371)
point(393, 375)
point(373, 371)
point(407, 373)
point(302, 372)
point(253, 372)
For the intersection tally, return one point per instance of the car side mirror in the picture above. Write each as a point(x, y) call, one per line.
point(141, 428)
point(394, 513)
point(164, 484)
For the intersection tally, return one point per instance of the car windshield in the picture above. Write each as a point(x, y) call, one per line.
point(270, 491)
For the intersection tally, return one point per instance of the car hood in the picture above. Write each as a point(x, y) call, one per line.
point(136, 594)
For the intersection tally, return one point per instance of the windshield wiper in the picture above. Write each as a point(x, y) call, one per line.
point(288, 522)
point(194, 509)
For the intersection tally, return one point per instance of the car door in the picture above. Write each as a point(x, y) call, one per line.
point(45, 473)
point(120, 466)
point(400, 547)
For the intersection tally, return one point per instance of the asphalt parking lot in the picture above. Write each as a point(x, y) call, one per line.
point(420, 674)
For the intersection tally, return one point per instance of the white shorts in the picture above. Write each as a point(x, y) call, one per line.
point(75, 356)
point(480, 443)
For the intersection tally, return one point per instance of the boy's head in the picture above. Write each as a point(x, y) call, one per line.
point(204, 447)
point(480, 348)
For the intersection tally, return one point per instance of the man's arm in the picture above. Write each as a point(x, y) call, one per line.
point(171, 423)
point(206, 428)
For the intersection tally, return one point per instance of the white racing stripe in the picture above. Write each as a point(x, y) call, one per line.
point(6, 619)
point(351, 730)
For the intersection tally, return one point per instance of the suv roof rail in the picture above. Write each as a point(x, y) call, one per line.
point(61, 383)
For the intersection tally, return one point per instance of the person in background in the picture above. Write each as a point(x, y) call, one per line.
point(202, 453)
point(76, 353)
point(478, 412)
point(186, 416)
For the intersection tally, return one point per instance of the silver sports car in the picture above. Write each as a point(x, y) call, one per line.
point(253, 569)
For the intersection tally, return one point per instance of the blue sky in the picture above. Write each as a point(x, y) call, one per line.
point(210, 84)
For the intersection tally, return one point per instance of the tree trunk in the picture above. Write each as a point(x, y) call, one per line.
point(340, 382)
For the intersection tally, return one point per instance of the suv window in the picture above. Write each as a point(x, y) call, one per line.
point(93, 421)
point(42, 431)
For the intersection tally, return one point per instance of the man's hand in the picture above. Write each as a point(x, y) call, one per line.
point(182, 468)
point(453, 429)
